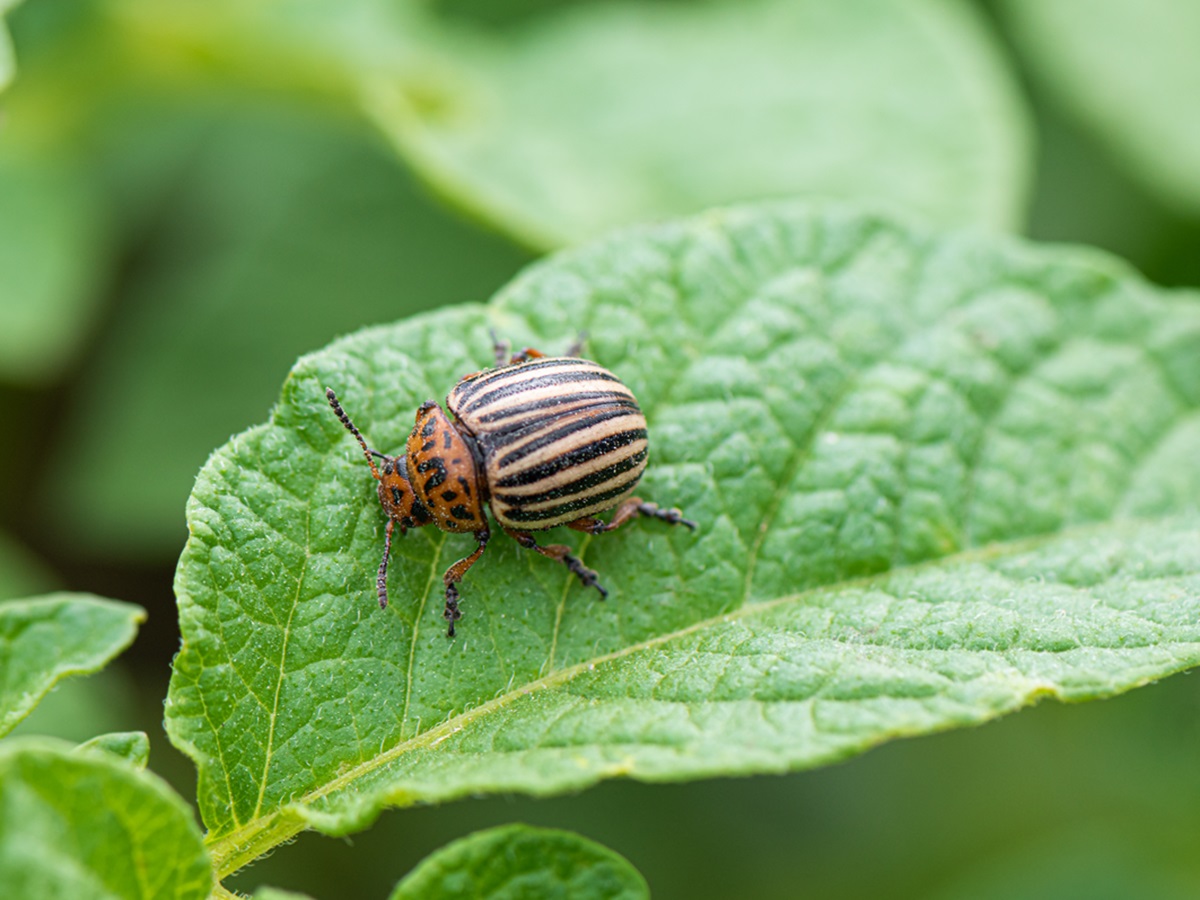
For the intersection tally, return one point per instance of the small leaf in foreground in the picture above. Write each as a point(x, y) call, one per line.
point(89, 825)
point(938, 476)
point(519, 861)
point(45, 639)
point(131, 746)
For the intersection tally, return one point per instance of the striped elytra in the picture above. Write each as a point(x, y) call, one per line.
point(558, 438)
point(540, 441)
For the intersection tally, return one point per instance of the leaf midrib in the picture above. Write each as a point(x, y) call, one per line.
point(236, 849)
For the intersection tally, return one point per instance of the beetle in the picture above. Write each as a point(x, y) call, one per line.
point(538, 440)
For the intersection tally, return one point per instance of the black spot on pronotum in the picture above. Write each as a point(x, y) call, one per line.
point(439, 472)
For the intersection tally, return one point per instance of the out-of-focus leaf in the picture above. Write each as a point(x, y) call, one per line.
point(84, 825)
point(937, 478)
point(606, 114)
point(270, 893)
point(131, 746)
point(517, 861)
point(8, 64)
point(286, 228)
point(56, 232)
point(21, 575)
point(1096, 862)
point(45, 639)
point(1132, 73)
point(77, 709)
point(53, 260)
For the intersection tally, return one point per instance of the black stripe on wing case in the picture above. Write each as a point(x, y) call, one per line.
point(491, 378)
point(567, 421)
point(598, 502)
point(552, 403)
point(480, 402)
point(595, 449)
point(591, 480)
point(563, 432)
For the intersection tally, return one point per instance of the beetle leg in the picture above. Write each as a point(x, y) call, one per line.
point(586, 576)
point(577, 345)
point(381, 577)
point(631, 509)
point(454, 575)
point(525, 355)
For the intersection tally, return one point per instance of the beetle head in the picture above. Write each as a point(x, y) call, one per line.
point(396, 494)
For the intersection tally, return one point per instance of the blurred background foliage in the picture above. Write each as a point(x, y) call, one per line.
point(194, 193)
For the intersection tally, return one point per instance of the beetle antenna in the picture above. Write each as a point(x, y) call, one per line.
point(345, 420)
point(381, 575)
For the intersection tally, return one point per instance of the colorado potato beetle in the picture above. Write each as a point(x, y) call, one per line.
point(539, 440)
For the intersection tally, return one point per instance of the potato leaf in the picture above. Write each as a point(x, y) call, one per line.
point(45, 639)
point(937, 477)
point(131, 746)
point(90, 825)
point(519, 861)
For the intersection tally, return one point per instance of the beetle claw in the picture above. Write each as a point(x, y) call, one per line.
point(587, 577)
point(451, 613)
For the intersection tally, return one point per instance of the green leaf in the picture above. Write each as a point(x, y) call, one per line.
point(937, 477)
point(1094, 861)
point(132, 746)
point(1130, 72)
point(606, 114)
point(78, 709)
point(517, 861)
point(8, 64)
point(45, 639)
point(52, 251)
point(579, 119)
point(270, 893)
point(86, 825)
point(21, 575)
point(56, 239)
point(291, 227)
